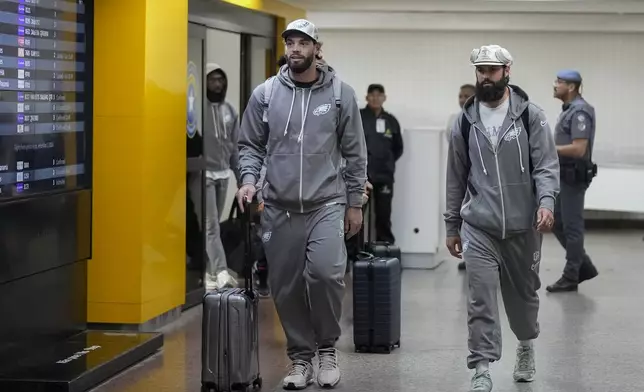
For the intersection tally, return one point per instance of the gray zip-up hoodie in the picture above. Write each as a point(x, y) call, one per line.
point(499, 194)
point(221, 125)
point(304, 144)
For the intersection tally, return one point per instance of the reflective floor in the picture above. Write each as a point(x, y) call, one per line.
point(591, 341)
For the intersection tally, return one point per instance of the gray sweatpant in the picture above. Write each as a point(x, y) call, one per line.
point(306, 259)
point(215, 194)
point(514, 264)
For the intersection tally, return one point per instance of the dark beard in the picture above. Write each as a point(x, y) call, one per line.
point(492, 93)
point(298, 69)
point(215, 97)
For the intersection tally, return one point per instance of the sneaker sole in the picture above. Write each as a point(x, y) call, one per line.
point(292, 387)
point(329, 386)
point(524, 379)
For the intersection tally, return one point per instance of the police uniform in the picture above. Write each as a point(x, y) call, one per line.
point(577, 121)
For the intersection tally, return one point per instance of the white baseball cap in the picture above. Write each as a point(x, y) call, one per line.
point(491, 55)
point(302, 26)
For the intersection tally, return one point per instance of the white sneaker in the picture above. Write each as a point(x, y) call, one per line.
point(481, 382)
point(329, 371)
point(225, 280)
point(524, 368)
point(299, 377)
point(209, 282)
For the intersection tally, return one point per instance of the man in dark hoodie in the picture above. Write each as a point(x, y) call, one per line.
point(502, 182)
point(304, 121)
point(221, 130)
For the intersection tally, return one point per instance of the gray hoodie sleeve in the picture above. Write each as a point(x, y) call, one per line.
point(544, 159)
point(253, 137)
point(260, 184)
point(353, 146)
point(456, 182)
point(234, 155)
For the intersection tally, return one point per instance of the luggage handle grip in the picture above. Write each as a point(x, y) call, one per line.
point(362, 255)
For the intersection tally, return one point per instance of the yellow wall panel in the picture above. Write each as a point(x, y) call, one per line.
point(164, 163)
point(138, 266)
point(166, 52)
point(114, 272)
point(114, 312)
point(280, 26)
point(118, 45)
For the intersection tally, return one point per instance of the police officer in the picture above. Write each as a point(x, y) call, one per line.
point(574, 136)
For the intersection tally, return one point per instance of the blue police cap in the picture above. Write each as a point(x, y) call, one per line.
point(569, 75)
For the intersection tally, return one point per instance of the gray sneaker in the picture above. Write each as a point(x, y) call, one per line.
point(329, 372)
point(299, 377)
point(524, 369)
point(482, 382)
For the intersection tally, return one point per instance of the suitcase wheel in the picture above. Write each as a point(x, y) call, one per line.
point(398, 344)
point(257, 384)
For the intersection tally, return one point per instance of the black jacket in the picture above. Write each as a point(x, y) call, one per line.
point(384, 147)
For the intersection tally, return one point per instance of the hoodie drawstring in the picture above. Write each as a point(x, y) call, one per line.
point(516, 132)
point(290, 112)
point(215, 121)
point(476, 135)
point(305, 112)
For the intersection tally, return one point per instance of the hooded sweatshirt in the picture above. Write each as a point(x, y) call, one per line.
point(221, 125)
point(498, 193)
point(304, 141)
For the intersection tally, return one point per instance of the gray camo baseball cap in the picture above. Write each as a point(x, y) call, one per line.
point(302, 26)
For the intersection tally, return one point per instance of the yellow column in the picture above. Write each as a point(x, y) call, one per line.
point(280, 26)
point(137, 271)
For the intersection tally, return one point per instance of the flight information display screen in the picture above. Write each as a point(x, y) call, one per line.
point(45, 97)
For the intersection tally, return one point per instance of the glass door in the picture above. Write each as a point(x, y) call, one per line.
point(258, 63)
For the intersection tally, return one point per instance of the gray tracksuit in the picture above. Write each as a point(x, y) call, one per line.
point(305, 197)
point(493, 204)
point(220, 133)
point(222, 125)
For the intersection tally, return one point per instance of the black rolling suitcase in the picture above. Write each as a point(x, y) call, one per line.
point(376, 303)
point(230, 338)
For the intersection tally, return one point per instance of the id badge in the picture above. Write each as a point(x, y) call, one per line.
point(381, 125)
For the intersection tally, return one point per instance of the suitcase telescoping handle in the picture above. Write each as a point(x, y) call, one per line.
point(248, 247)
point(367, 224)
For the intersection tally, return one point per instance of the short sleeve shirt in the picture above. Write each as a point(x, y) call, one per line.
point(576, 121)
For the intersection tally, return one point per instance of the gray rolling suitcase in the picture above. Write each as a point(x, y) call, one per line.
point(230, 338)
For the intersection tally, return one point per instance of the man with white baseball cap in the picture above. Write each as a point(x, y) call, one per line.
point(303, 123)
point(502, 182)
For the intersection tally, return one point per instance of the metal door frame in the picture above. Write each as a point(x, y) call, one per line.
point(197, 164)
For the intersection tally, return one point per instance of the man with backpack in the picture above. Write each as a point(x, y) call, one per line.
point(502, 182)
point(304, 121)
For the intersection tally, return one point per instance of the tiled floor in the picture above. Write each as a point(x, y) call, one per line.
point(591, 341)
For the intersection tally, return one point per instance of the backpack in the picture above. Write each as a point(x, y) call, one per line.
point(268, 93)
point(465, 131)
